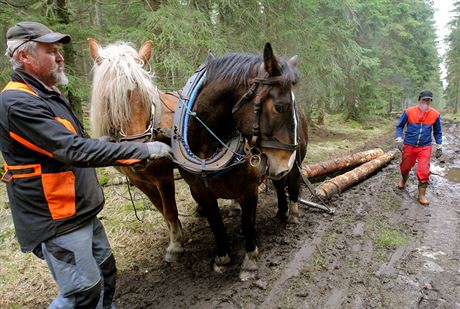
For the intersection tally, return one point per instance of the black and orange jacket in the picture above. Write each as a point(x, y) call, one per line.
point(47, 158)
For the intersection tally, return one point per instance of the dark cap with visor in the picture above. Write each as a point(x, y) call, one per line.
point(425, 94)
point(33, 31)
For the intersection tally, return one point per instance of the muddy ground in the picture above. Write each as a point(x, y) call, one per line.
point(381, 249)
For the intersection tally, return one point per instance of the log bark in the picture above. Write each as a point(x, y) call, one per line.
point(322, 168)
point(344, 181)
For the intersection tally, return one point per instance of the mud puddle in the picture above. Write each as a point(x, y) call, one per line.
point(453, 174)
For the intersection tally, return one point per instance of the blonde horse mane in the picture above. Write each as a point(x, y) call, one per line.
point(119, 72)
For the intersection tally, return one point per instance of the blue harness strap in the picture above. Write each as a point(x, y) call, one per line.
point(231, 153)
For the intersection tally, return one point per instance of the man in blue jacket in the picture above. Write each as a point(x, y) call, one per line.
point(422, 122)
point(54, 194)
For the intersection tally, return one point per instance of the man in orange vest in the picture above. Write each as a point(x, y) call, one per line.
point(422, 122)
point(54, 193)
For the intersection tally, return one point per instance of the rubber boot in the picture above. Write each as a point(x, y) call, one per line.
point(402, 183)
point(421, 194)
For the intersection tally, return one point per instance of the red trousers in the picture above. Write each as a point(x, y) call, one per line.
point(422, 155)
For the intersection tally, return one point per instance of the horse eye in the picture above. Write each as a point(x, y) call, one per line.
point(279, 108)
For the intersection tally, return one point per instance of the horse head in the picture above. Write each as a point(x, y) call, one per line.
point(124, 97)
point(270, 122)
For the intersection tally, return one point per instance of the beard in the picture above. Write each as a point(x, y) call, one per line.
point(424, 107)
point(58, 75)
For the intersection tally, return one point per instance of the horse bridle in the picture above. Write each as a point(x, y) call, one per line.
point(256, 141)
point(147, 136)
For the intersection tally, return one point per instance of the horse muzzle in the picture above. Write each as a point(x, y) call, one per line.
point(278, 168)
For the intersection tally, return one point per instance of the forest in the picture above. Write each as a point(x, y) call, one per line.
point(357, 57)
point(361, 62)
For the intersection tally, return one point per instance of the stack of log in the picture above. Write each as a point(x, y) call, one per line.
point(367, 161)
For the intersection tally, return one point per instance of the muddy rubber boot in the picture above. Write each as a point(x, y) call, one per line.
point(402, 183)
point(421, 194)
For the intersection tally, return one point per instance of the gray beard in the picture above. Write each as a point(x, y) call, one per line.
point(61, 79)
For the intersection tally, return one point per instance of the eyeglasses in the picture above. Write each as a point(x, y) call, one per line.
point(427, 100)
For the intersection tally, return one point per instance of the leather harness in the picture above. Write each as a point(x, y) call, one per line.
point(238, 149)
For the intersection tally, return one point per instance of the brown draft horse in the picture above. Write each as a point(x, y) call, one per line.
point(253, 95)
point(126, 105)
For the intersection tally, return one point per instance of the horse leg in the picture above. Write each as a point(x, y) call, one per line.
point(212, 213)
point(248, 219)
point(162, 197)
point(293, 180)
point(171, 216)
point(282, 201)
point(293, 185)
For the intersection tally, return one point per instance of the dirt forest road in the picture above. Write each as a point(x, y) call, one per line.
point(380, 250)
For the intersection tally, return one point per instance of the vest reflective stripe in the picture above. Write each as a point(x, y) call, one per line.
point(23, 171)
point(66, 124)
point(128, 161)
point(30, 145)
point(20, 87)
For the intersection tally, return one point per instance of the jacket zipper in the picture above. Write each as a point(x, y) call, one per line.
point(419, 134)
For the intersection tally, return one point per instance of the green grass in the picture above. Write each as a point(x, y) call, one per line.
point(344, 136)
point(453, 117)
point(318, 262)
point(390, 238)
point(103, 176)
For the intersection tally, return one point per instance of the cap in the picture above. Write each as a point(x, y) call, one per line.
point(425, 94)
point(32, 31)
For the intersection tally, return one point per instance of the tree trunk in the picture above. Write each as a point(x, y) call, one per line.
point(321, 107)
point(98, 15)
point(63, 17)
point(343, 182)
point(319, 169)
point(456, 98)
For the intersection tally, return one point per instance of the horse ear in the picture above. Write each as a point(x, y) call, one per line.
point(270, 62)
point(294, 60)
point(146, 51)
point(94, 49)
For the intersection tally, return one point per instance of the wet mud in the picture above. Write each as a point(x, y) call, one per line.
point(381, 249)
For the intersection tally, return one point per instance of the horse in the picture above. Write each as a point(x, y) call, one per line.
point(251, 95)
point(125, 106)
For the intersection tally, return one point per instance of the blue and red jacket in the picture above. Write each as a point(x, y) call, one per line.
point(420, 126)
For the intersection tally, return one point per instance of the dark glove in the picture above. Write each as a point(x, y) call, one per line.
point(438, 152)
point(158, 150)
point(399, 143)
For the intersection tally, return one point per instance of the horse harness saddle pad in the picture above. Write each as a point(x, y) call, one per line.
point(221, 161)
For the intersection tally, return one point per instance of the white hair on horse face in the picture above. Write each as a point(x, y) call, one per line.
point(120, 71)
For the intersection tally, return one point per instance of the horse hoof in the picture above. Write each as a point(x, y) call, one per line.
point(173, 256)
point(249, 267)
point(246, 275)
point(293, 220)
point(293, 209)
point(220, 263)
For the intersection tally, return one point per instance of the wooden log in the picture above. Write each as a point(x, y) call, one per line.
point(322, 168)
point(343, 182)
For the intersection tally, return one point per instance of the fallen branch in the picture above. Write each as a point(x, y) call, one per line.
point(322, 168)
point(343, 182)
